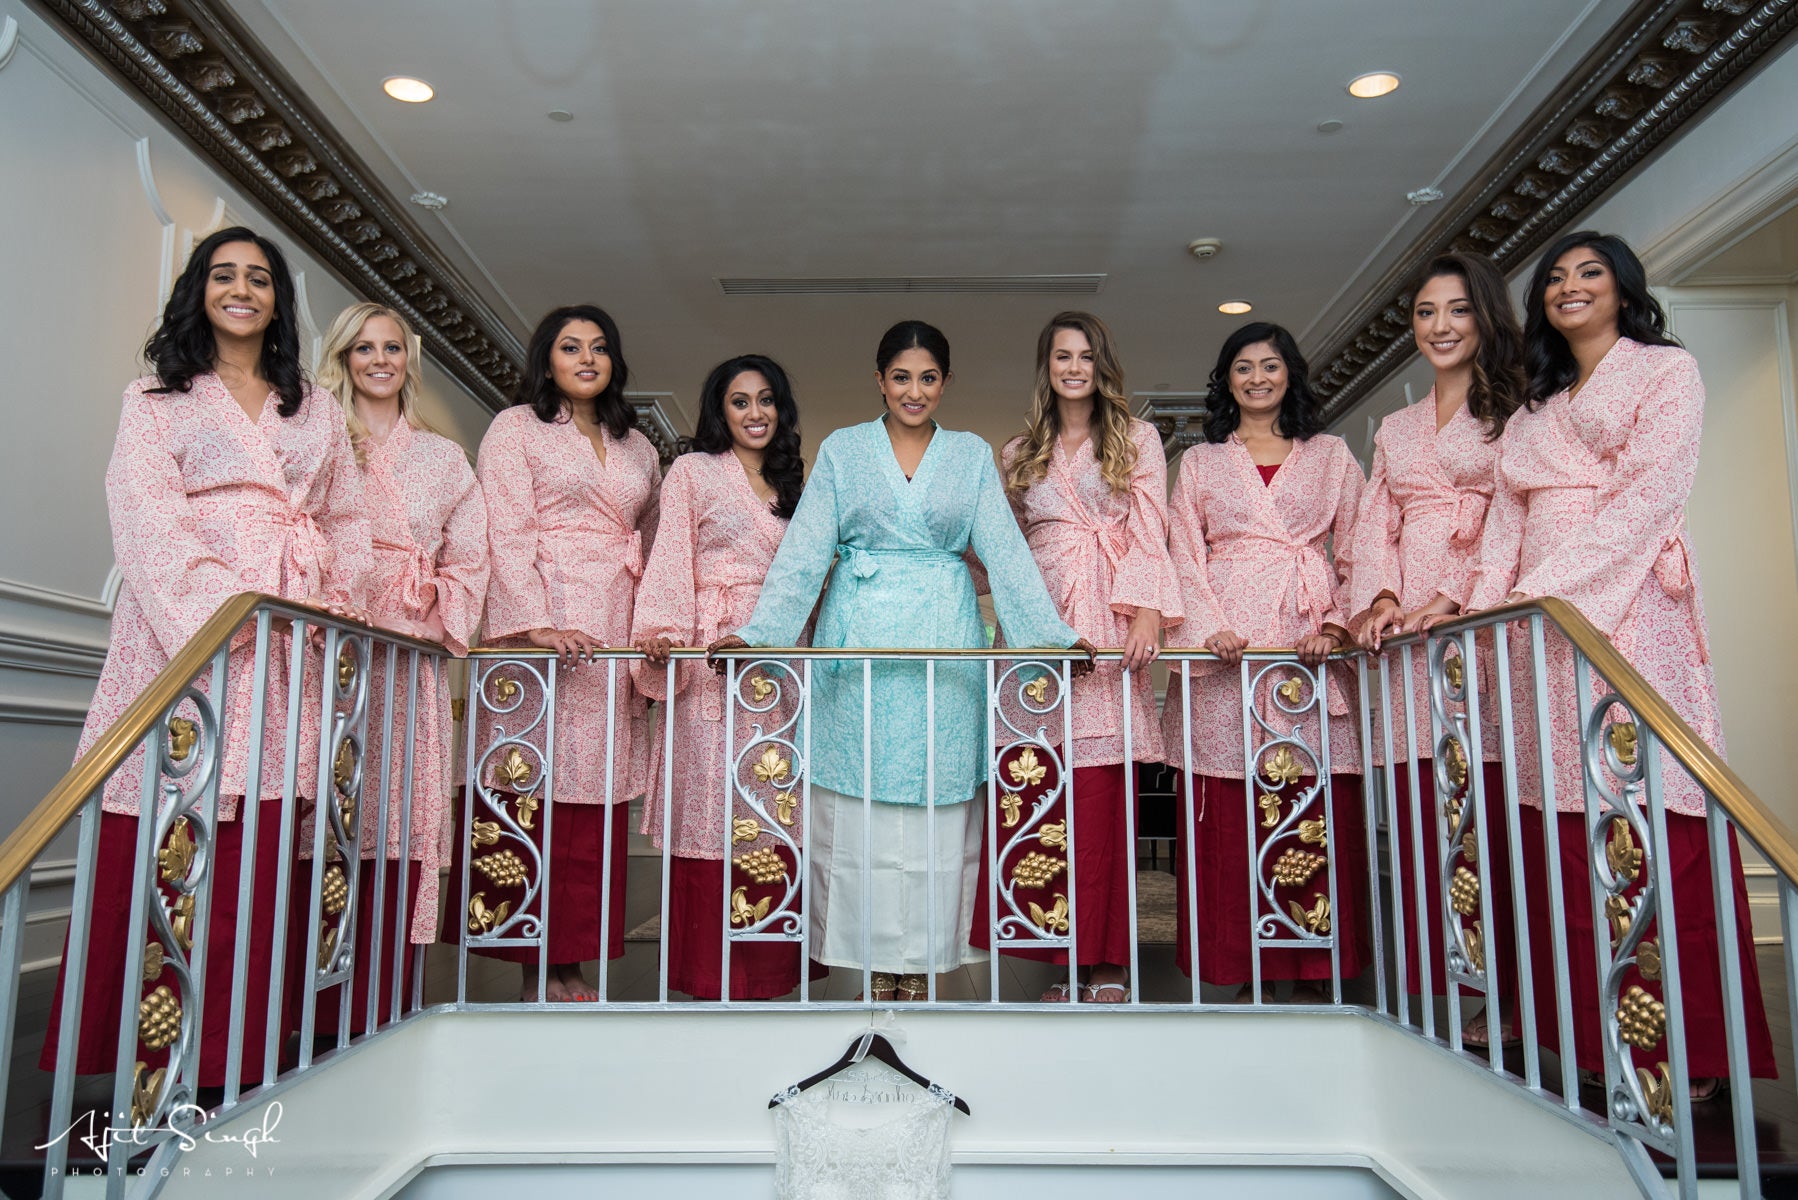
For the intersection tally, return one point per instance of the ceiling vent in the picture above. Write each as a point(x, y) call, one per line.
point(979, 285)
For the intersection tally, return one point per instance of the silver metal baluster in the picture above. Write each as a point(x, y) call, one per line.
point(320, 821)
point(1526, 967)
point(1389, 782)
point(402, 929)
point(731, 682)
point(1476, 795)
point(200, 959)
point(1442, 849)
point(369, 955)
point(143, 894)
point(249, 813)
point(1191, 882)
point(547, 865)
point(275, 1031)
point(470, 793)
point(1129, 836)
point(930, 829)
point(1735, 1015)
point(868, 830)
point(12, 945)
point(1065, 678)
point(1551, 839)
point(81, 912)
point(606, 835)
point(993, 850)
point(1788, 929)
point(802, 867)
point(1420, 881)
point(1248, 804)
point(1370, 816)
point(730, 757)
point(1685, 1158)
point(1326, 784)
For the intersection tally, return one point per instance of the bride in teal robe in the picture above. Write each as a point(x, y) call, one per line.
point(895, 503)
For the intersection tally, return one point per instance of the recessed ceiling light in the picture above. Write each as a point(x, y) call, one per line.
point(404, 87)
point(1235, 308)
point(559, 114)
point(1374, 83)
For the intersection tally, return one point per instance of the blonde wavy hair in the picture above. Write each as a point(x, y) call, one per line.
point(334, 371)
point(1112, 447)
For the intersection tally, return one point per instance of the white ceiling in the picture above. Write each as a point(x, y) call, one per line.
point(936, 137)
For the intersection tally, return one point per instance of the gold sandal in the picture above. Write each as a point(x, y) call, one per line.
point(880, 987)
point(913, 988)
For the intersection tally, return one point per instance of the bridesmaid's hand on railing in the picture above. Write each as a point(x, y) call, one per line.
point(1313, 648)
point(1382, 618)
point(1434, 613)
point(729, 641)
point(1079, 667)
point(570, 645)
point(1143, 641)
point(655, 649)
point(1227, 646)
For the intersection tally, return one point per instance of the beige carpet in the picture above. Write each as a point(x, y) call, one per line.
point(1154, 913)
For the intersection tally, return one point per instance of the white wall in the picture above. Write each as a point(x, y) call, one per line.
point(99, 203)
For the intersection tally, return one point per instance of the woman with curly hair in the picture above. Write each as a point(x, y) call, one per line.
point(1088, 485)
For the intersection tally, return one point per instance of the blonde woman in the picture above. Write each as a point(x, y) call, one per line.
point(429, 523)
point(1088, 485)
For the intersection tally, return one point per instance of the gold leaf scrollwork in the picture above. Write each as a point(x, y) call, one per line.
point(486, 833)
point(514, 772)
point(1316, 919)
point(1648, 960)
point(458, 708)
point(1025, 770)
point(334, 893)
point(1657, 1091)
point(327, 945)
point(1464, 892)
point(1453, 671)
point(502, 868)
point(183, 921)
point(143, 1094)
point(1470, 845)
point(784, 803)
point(1054, 835)
point(1036, 869)
point(760, 689)
point(1292, 690)
point(1621, 914)
point(159, 1018)
point(343, 767)
point(346, 668)
point(1457, 766)
point(745, 829)
point(1641, 1019)
point(1053, 919)
point(1451, 813)
point(1295, 867)
point(762, 866)
point(1621, 852)
point(1013, 807)
point(1314, 833)
point(1038, 690)
point(1281, 768)
point(177, 854)
point(525, 804)
point(1270, 809)
point(481, 919)
point(744, 913)
point(1623, 737)
point(772, 766)
point(183, 734)
point(153, 962)
point(504, 688)
point(1474, 938)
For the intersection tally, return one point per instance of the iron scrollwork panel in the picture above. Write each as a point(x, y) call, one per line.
point(1031, 778)
point(767, 780)
point(1455, 824)
point(1292, 823)
point(337, 935)
point(507, 790)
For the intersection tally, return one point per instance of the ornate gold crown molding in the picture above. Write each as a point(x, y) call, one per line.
point(654, 423)
point(216, 85)
point(1653, 73)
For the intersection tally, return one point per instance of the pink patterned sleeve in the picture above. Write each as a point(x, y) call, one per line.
point(1186, 550)
point(1376, 565)
point(462, 568)
point(1145, 577)
point(667, 601)
point(1342, 532)
point(343, 519)
point(1601, 565)
point(177, 580)
point(650, 517)
point(517, 601)
point(1501, 544)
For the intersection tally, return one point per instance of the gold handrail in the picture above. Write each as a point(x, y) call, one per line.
point(121, 739)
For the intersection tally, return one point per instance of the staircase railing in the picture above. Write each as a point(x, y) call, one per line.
point(1630, 746)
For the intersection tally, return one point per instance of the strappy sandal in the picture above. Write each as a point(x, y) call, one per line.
point(1057, 994)
point(1092, 991)
point(913, 988)
point(880, 987)
point(1475, 1032)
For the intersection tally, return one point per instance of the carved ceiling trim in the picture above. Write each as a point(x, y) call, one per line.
point(220, 90)
point(1654, 72)
point(655, 424)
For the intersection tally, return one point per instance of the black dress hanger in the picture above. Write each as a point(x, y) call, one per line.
point(872, 1045)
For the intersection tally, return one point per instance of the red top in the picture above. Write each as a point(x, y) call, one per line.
point(1267, 473)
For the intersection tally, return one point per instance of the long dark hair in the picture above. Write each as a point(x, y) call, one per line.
point(1498, 388)
point(183, 345)
point(1300, 416)
point(782, 466)
point(912, 335)
point(1547, 358)
point(537, 387)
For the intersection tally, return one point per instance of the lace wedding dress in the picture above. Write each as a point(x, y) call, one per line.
point(843, 1140)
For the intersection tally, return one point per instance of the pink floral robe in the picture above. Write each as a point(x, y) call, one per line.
point(1417, 536)
point(1103, 555)
point(567, 538)
point(1251, 557)
point(430, 541)
point(206, 504)
point(713, 546)
point(1589, 506)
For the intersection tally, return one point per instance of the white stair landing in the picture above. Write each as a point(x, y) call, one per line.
point(1132, 1102)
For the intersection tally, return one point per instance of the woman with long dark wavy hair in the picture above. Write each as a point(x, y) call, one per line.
point(570, 486)
point(1088, 484)
point(725, 507)
point(1252, 511)
point(1589, 506)
point(230, 474)
point(1417, 539)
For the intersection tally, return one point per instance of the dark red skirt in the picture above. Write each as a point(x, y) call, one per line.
point(109, 933)
point(696, 916)
point(1225, 922)
point(1700, 970)
point(394, 923)
point(574, 881)
point(1494, 869)
point(1102, 862)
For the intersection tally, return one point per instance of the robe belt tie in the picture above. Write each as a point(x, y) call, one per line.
point(306, 554)
point(631, 543)
point(418, 587)
point(713, 605)
point(863, 562)
point(1673, 571)
point(1316, 595)
point(1469, 509)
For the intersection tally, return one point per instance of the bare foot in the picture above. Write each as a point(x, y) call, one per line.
point(574, 986)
